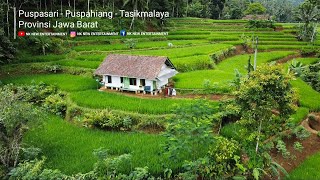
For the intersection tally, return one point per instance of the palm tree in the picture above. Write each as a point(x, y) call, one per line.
point(135, 4)
point(43, 43)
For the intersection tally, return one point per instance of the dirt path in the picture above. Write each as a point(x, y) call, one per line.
point(288, 58)
point(214, 97)
point(311, 145)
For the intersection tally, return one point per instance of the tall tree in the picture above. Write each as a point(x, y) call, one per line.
point(308, 12)
point(235, 8)
point(256, 8)
point(282, 11)
point(266, 99)
point(135, 4)
point(7, 49)
point(14, 118)
point(216, 8)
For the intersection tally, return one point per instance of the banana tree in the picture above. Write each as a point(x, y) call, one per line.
point(308, 12)
point(43, 43)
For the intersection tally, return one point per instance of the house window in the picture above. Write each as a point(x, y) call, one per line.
point(109, 79)
point(142, 82)
point(133, 81)
point(121, 79)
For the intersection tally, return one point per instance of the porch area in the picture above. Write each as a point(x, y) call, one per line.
point(136, 90)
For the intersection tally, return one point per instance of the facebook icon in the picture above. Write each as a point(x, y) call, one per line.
point(123, 33)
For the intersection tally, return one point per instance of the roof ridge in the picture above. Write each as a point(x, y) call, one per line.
point(137, 55)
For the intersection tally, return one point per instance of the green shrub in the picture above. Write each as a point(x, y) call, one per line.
point(56, 104)
point(210, 88)
point(53, 68)
point(34, 93)
point(311, 75)
point(223, 150)
point(221, 55)
point(73, 111)
point(189, 133)
point(78, 71)
point(312, 117)
point(281, 147)
point(152, 123)
point(301, 132)
point(30, 153)
point(2, 172)
point(109, 120)
point(269, 145)
point(34, 170)
point(252, 24)
point(105, 120)
point(231, 130)
point(307, 32)
point(298, 146)
point(309, 51)
point(222, 160)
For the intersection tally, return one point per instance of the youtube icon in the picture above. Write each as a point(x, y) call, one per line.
point(21, 33)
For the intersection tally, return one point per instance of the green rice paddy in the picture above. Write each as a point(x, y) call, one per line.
point(69, 147)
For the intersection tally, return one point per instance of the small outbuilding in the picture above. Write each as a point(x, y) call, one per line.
point(136, 73)
point(263, 17)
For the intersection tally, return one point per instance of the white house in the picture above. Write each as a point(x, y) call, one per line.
point(136, 73)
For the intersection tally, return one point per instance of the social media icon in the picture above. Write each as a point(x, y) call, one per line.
point(123, 33)
point(73, 34)
point(21, 33)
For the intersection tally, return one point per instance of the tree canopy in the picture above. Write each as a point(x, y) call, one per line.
point(256, 8)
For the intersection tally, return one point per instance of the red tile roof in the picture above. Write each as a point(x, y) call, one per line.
point(145, 67)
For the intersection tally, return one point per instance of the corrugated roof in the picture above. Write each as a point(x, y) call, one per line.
point(145, 67)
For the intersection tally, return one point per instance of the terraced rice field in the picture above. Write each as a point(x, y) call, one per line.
point(193, 42)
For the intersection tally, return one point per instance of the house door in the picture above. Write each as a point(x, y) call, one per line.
point(154, 85)
point(126, 82)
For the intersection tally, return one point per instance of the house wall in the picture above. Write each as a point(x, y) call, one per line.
point(149, 83)
point(116, 83)
point(162, 83)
